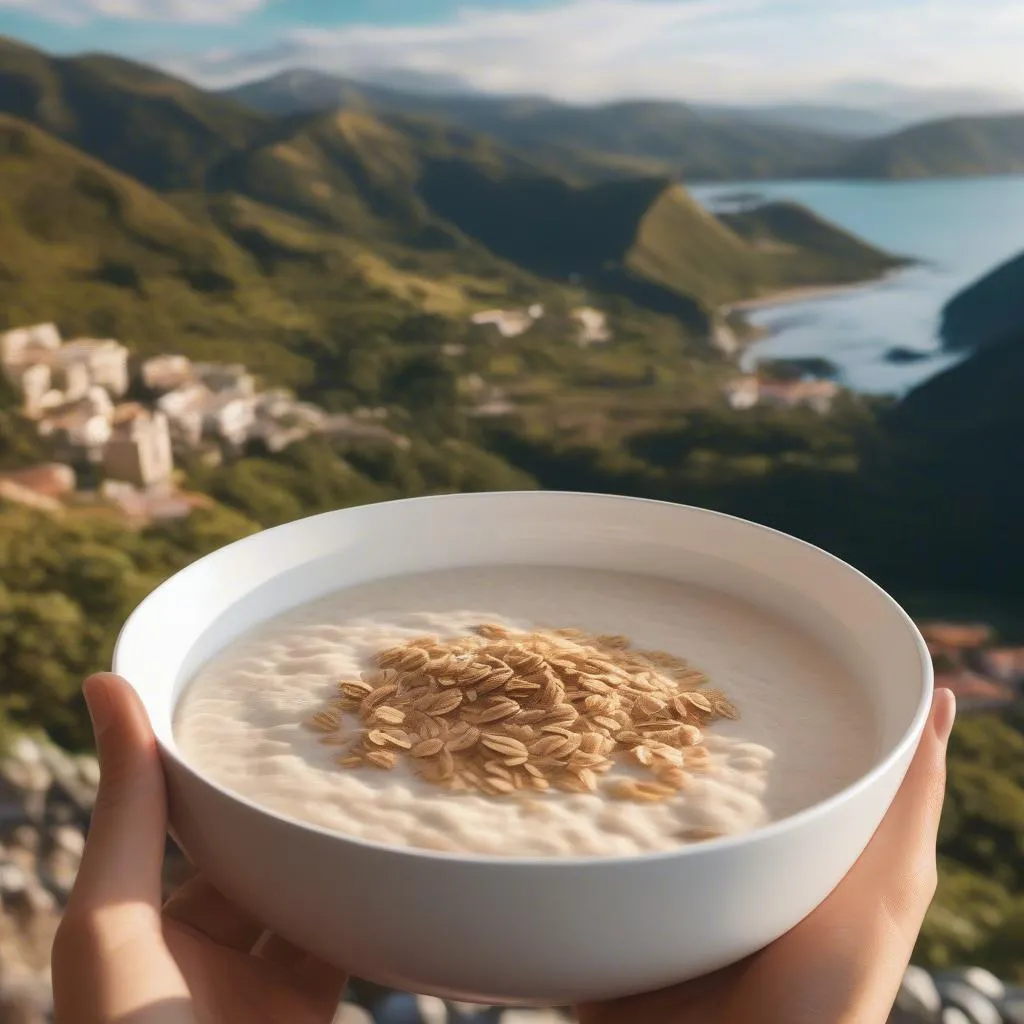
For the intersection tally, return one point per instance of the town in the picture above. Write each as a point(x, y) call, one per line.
point(116, 425)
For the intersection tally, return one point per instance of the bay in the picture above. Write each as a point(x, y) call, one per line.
point(958, 230)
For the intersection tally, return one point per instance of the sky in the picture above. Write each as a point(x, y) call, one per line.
point(578, 50)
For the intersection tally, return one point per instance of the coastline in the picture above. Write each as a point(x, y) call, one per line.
point(804, 293)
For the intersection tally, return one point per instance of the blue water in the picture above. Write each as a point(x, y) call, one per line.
point(959, 230)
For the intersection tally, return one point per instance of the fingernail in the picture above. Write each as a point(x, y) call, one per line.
point(944, 703)
point(97, 700)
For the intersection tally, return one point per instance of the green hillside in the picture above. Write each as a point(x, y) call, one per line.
point(806, 248)
point(150, 125)
point(102, 254)
point(950, 148)
point(418, 182)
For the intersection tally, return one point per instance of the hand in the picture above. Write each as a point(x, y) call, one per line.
point(119, 958)
point(843, 963)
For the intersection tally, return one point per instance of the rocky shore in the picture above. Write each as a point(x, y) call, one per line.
point(45, 799)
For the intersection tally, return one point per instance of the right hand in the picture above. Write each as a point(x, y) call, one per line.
point(844, 962)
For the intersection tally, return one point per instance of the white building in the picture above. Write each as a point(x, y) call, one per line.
point(592, 326)
point(185, 409)
point(509, 322)
point(139, 449)
point(743, 392)
point(104, 360)
point(226, 377)
point(26, 346)
point(79, 430)
point(37, 389)
point(165, 373)
point(230, 417)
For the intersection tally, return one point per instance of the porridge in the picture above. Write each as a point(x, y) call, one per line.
point(528, 711)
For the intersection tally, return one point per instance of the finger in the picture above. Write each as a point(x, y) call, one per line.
point(201, 907)
point(124, 851)
point(900, 861)
point(900, 858)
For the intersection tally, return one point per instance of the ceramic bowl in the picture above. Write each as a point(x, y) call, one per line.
point(508, 930)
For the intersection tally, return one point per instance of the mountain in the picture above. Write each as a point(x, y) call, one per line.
point(978, 397)
point(954, 147)
point(988, 311)
point(807, 246)
point(416, 181)
point(176, 214)
point(911, 104)
point(102, 254)
point(152, 126)
point(953, 495)
point(615, 138)
point(851, 122)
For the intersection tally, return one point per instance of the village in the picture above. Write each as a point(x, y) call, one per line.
point(117, 427)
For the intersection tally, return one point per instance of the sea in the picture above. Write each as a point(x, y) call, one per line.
point(956, 230)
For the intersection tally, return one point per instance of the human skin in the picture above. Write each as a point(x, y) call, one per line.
point(122, 957)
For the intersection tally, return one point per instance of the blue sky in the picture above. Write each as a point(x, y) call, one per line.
point(584, 50)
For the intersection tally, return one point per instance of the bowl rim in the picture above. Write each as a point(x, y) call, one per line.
point(764, 833)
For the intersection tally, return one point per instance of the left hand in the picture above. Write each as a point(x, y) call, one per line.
point(120, 957)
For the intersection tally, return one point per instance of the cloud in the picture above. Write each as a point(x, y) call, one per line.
point(587, 50)
point(180, 11)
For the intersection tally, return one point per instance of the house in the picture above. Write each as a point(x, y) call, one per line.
point(166, 373)
point(223, 378)
point(230, 416)
point(743, 392)
point(37, 391)
point(956, 636)
point(105, 361)
point(592, 326)
point(41, 487)
point(139, 448)
point(973, 691)
point(749, 391)
point(185, 409)
point(510, 323)
point(20, 495)
point(815, 394)
point(80, 432)
point(1004, 664)
point(26, 346)
point(80, 429)
point(52, 479)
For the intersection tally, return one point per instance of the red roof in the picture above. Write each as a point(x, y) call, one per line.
point(1003, 663)
point(54, 480)
point(971, 686)
point(959, 635)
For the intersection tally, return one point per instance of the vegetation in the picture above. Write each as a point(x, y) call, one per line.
point(951, 148)
point(989, 311)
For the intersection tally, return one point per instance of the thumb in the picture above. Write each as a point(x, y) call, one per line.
point(900, 860)
point(125, 848)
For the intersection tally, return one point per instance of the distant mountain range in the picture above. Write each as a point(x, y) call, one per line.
point(618, 139)
point(954, 147)
point(695, 142)
point(134, 204)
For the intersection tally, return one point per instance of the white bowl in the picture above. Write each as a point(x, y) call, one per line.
point(525, 930)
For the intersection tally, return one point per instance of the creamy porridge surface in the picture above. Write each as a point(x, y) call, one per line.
point(805, 730)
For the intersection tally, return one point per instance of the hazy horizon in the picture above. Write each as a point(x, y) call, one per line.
point(907, 57)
